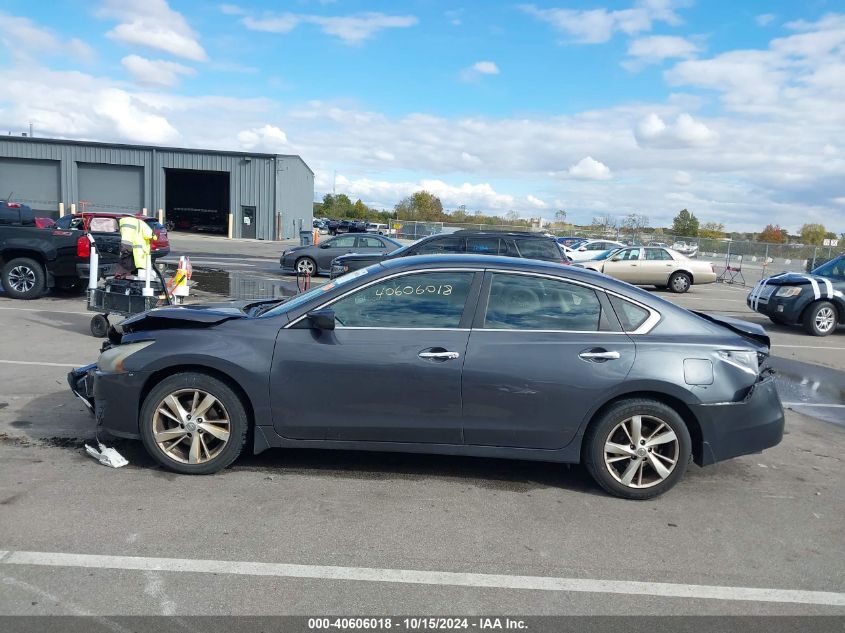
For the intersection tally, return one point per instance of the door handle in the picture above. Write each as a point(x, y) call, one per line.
point(600, 355)
point(440, 355)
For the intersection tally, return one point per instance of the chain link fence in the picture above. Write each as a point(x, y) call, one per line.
point(736, 261)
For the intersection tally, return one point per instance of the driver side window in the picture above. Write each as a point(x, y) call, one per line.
point(421, 300)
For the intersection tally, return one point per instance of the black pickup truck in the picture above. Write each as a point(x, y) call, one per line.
point(33, 259)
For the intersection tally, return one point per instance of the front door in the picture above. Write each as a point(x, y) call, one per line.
point(248, 226)
point(389, 372)
point(625, 265)
point(539, 357)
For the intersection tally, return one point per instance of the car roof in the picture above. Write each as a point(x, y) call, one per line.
point(472, 233)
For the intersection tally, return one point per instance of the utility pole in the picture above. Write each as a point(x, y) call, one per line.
point(334, 183)
point(30, 129)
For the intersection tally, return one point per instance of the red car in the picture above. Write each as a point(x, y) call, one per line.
point(159, 246)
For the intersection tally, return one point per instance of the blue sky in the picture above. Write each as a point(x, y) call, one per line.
point(731, 109)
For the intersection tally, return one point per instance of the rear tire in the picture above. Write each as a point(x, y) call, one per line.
point(658, 460)
point(24, 278)
point(820, 318)
point(679, 283)
point(174, 424)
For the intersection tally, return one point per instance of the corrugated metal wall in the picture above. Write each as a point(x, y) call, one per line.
point(273, 184)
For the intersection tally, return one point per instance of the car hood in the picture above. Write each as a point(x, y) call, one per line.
point(794, 279)
point(191, 316)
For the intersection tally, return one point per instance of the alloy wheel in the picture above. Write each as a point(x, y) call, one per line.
point(22, 278)
point(825, 319)
point(191, 426)
point(305, 266)
point(641, 451)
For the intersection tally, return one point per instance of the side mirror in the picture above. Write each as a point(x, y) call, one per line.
point(322, 319)
point(325, 245)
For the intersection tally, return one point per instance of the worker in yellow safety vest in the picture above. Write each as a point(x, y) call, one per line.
point(135, 238)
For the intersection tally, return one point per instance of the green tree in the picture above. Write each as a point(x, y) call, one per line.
point(360, 210)
point(685, 224)
point(813, 234)
point(423, 206)
point(712, 230)
point(560, 216)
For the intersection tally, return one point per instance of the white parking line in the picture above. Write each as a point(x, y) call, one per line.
point(810, 404)
point(809, 347)
point(415, 577)
point(38, 363)
point(44, 310)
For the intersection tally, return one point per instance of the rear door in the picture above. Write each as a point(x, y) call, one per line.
point(370, 244)
point(541, 352)
point(657, 266)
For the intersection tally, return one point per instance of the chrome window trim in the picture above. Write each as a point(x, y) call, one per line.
point(646, 327)
point(387, 278)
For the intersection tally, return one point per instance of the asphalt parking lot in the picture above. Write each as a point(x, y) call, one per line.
point(304, 532)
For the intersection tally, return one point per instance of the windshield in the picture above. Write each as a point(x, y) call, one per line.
point(305, 297)
point(605, 254)
point(834, 269)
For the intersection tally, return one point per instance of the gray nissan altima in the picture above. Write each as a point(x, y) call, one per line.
point(451, 354)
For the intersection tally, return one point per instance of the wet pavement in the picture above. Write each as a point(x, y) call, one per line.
point(240, 284)
point(811, 389)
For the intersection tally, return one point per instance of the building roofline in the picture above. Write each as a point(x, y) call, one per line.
point(188, 150)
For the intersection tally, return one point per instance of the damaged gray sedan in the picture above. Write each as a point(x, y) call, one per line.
point(448, 354)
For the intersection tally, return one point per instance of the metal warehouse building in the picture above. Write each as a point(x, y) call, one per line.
point(269, 196)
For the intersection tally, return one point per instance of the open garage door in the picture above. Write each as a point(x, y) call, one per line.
point(197, 200)
point(32, 182)
point(112, 188)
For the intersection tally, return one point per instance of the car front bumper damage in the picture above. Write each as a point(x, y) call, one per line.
point(111, 398)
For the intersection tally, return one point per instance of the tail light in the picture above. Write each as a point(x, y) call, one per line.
point(83, 247)
point(712, 268)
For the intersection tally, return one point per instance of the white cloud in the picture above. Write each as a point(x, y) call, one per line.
point(536, 202)
point(385, 194)
point(589, 168)
point(682, 178)
point(596, 26)
point(684, 132)
point(153, 24)
point(350, 29)
point(658, 48)
point(24, 38)
point(764, 19)
point(155, 72)
point(478, 69)
point(232, 9)
point(267, 138)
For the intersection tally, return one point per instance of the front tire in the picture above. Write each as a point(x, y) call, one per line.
point(638, 449)
point(820, 318)
point(306, 266)
point(24, 278)
point(194, 424)
point(679, 283)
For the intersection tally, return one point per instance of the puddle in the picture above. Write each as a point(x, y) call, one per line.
point(239, 284)
point(811, 385)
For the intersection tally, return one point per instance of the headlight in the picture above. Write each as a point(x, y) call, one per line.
point(788, 291)
point(747, 361)
point(111, 361)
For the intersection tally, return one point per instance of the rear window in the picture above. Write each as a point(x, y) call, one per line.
point(631, 316)
point(539, 249)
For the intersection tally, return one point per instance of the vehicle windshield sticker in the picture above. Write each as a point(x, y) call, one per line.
point(405, 291)
point(348, 277)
